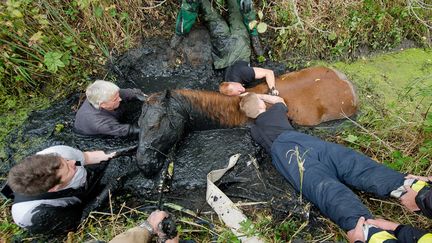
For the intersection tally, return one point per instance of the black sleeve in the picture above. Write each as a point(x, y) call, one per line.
point(409, 234)
point(270, 124)
point(240, 72)
point(274, 118)
point(424, 201)
point(49, 220)
point(127, 94)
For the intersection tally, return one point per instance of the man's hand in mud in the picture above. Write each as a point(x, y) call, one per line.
point(139, 95)
point(408, 199)
point(154, 219)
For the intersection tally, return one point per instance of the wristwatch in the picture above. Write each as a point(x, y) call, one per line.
point(146, 225)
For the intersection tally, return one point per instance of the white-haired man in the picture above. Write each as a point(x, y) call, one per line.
point(101, 112)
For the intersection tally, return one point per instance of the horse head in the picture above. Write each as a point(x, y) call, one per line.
point(162, 125)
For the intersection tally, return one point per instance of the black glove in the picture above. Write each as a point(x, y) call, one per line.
point(424, 201)
point(139, 95)
point(134, 129)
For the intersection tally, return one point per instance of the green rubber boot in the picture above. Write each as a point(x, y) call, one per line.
point(187, 16)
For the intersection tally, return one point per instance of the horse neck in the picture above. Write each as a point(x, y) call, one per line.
point(220, 108)
point(260, 88)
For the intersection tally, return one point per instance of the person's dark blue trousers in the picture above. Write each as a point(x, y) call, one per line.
point(329, 170)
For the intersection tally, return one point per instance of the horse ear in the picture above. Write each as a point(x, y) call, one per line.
point(167, 94)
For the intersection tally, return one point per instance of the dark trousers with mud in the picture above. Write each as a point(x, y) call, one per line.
point(230, 40)
point(324, 172)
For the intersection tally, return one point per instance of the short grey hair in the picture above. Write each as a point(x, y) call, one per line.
point(100, 91)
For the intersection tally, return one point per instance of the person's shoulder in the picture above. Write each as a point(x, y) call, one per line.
point(126, 93)
point(23, 212)
point(235, 70)
point(240, 63)
point(280, 105)
point(277, 110)
point(47, 215)
point(55, 149)
point(277, 107)
point(85, 110)
point(64, 151)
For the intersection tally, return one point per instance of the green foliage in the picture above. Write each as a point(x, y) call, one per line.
point(398, 160)
point(51, 48)
point(341, 29)
point(351, 138)
point(53, 61)
point(228, 236)
point(428, 122)
point(7, 227)
point(58, 128)
point(285, 230)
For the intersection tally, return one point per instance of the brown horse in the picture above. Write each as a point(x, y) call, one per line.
point(313, 95)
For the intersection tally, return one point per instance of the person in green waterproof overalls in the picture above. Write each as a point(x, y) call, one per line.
point(231, 41)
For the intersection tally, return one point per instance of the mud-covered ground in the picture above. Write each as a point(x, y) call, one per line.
point(152, 68)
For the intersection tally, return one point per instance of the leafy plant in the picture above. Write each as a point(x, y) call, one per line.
point(260, 25)
point(53, 61)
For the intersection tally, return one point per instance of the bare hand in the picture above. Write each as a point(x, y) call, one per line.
point(275, 92)
point(357, 233)
point(155, 219)
point(94, 157)
point(383, 224)
point(408, 199)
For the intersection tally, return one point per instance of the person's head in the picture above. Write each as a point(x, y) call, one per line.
point(103, 94)
point(41, 173)
point(231, 88)
point(252, 105)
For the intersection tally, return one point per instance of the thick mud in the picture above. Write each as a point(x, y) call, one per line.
point(152, 68)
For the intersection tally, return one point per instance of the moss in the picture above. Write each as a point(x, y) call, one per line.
point(14, 116)
point(395, 75)
point(399, 82)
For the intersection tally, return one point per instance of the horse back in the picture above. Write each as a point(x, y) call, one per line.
point(315, 95)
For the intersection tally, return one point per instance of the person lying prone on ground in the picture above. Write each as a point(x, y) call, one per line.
point(240, 74)
point(52, 187)
point(102, 111)
point(324, 172)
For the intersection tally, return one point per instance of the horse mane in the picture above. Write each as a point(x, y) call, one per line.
point(222, 108)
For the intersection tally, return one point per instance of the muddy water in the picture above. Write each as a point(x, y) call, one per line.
point(151, 68)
